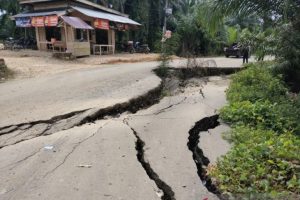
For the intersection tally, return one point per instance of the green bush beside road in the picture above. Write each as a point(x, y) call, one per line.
point(265, 157)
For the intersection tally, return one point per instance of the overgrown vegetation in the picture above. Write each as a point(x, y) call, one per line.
point(264, 161)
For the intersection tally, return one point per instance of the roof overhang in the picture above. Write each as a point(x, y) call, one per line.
point(89, 3)
point(37, 14)
point(76, 22)
point(82, 2)
point(33, 1)
point(107, 16)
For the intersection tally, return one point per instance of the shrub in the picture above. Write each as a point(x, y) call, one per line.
point(255, 83)
point(260, 162)
point(263, 114)
point(265, 155)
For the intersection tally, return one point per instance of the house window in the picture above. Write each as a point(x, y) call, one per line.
point(81, 35)
point(53, 32)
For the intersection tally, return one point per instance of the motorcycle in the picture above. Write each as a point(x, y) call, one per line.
point(17, 44)
point(141, 48)
point(137, 47)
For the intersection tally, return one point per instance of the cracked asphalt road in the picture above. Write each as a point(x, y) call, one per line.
point(164, 129)
point(42, 98)
point(29, 171)
point(100, 160)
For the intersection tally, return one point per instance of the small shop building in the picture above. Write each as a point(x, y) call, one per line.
point(79, 27)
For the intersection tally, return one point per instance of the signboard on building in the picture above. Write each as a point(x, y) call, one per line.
point(122, 27)
point(168, 34)
point(169, 11)
point(101, 24)
point(51, 20)
point(37, 21)
point(23, 22)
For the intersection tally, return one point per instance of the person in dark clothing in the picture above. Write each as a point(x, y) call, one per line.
point(245, 54)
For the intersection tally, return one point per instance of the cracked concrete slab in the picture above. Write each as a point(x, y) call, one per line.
point(212, 143)
point(95, 161)
point(166, 135)
point(42, 98)
point(23, 132)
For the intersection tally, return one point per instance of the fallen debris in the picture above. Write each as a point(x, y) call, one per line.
point(49, 147)
point(84, 166)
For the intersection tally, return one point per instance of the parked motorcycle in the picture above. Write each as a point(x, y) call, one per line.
point(21, 43)
point(141, 48)
point(137, 47)
point(9, 43)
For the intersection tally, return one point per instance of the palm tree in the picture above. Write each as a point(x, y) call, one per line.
point(277, 8)
point(285, 17)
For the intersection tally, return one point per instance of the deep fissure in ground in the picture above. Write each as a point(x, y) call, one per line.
point(168, 193)
point(70, 120)
point(200, 160)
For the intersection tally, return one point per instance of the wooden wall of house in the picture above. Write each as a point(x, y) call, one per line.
point(111, 33)
point(63, 34)
point(75, 47)
point(70, 34)
point(79, 48)
point(111, 37)
point(90, 21)
point(41, 37)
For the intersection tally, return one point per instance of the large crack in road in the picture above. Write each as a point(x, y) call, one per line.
point(167, 192)
point(200, 160)
point(23, 132)
point(30, 130)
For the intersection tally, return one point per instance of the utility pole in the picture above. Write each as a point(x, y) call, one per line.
point(163, 40)
point(165, 20)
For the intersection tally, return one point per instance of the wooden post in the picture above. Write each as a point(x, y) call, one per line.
point(66, 35)
point(113, 40)
point(37, 36)
point(108, 39)
point(73, 33)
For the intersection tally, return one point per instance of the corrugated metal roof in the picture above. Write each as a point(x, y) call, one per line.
point(37, 14)
point(98, 6)
point(103, 15)
point(76, 22)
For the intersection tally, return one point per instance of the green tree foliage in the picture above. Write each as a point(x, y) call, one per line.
point(283, 19)
point(7, 8)
point(187, 24)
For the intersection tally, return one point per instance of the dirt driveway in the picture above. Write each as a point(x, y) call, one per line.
point(29, 64)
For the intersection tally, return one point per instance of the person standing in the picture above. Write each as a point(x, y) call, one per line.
point(245, 54)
